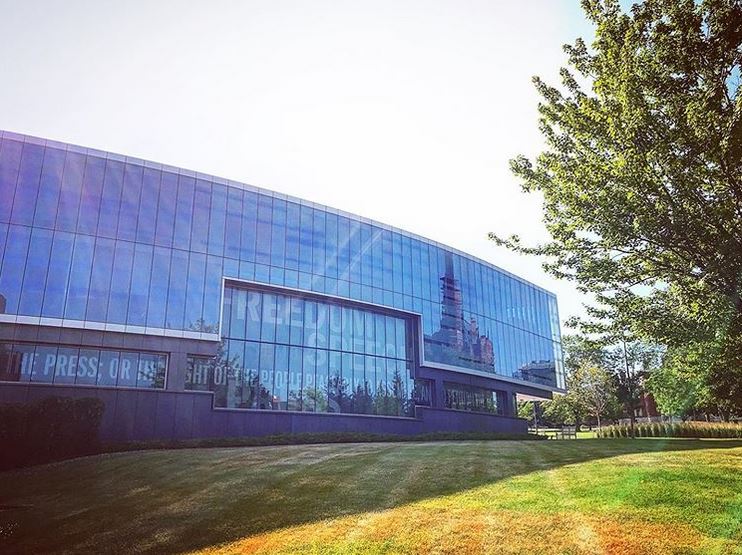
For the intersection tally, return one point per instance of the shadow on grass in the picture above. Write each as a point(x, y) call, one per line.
point(174, 501)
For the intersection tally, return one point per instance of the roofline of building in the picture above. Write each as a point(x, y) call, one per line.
point(252, 188)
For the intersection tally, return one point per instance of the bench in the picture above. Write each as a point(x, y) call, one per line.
point(567, 432)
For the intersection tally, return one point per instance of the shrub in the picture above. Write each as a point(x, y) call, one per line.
point(317, 437)
point(684, 429)
point(52, 429)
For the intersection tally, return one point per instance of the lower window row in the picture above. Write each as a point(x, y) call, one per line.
point(476, 399)
point(266, 376)
point(27, 362)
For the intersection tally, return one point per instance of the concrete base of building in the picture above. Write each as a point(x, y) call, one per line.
point(144, 415)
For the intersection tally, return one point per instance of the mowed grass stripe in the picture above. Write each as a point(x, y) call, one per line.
point(586, 496)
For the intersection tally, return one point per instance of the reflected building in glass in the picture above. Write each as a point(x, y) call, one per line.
point(196, 306)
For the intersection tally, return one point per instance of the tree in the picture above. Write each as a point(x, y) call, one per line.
point(580, 350)
point(642, 175)
point(534, 412)
point(679, 385)
point(631, 362)
point(564, 409)
point(593, 387)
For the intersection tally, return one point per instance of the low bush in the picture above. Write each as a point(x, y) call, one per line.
point(666, 429)
point(52, 429)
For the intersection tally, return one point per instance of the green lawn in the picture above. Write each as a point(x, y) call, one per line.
point(592, 496)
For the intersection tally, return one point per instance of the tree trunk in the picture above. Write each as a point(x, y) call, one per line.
point(630, 391)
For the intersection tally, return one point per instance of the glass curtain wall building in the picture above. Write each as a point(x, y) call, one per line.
point(272, 303)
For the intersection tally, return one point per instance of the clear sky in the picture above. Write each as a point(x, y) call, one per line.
point(406, 112)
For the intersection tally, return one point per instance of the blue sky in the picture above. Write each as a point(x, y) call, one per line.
point(406, 112)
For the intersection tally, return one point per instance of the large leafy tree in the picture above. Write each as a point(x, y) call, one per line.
point(679, 384)
point(642, 175)
point(593, 387)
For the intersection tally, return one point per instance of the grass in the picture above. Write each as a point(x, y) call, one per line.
point(616, 496)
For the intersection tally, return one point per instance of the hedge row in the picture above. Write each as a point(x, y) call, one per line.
point(318, 437)
point(52, 429)
point(680, 429)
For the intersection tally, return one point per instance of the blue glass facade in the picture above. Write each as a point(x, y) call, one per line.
point(288, 352)
point(94, 240)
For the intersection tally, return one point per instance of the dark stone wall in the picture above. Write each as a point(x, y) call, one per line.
point(140, 415)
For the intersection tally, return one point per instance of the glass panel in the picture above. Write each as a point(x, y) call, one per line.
point(100, 280)
point(292, 236)
point(176, 291)
point(250, 389)
point(14, 261)
point(212, 294)
point(233, 224)
point(295, 379)
point(108, 368)
point(278, 234)
point(361, 393)
point(310, 324)
point(266, 398)
point(263, 232)
point(337, 388)
point(268, 320)
point(66, 365)
point(87, 366)
point(238, 314)
point(184, 213)
point(309, 365)
point(6, 353)
point(283, 317)
point(323, 323)
point(69, 195)
point(281, 378)
point(254, 309)
point(60, 261)
point(34, 278)
point(128, 368)
point(147, 212)
point(226, 374)
point(166, 205)
point(321, 381)
point(44, 360)
point(249, 222)
point(151, 371)
point(296, 333)
point(10, 159)
point(21, 363)
point(27, 187)
point(140, 282)
point(158, 288)
point(130, 195)
point(51, 183)
point(198, 372)
point(217, 219)
point(201, 209)
point(118, 301)
point(195, 279)
point(335, 328)
point(79, 282)
point(113, 183)
point(347, 335)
